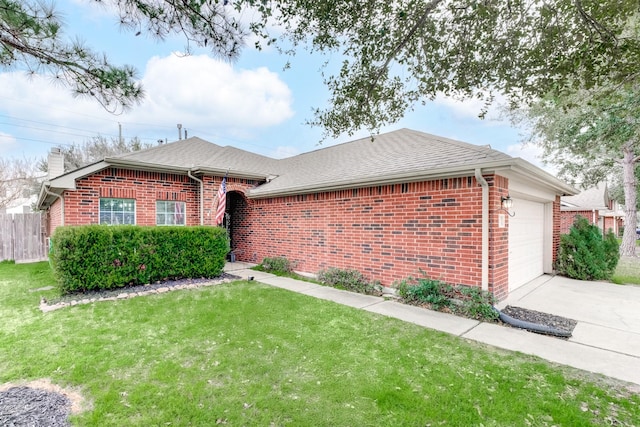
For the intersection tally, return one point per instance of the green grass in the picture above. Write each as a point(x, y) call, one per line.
point(627, 271)
point(249, 354)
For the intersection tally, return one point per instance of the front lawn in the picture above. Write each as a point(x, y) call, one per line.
point(627, 271)
point(248, 354)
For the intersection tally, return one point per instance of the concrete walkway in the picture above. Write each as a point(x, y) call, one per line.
point(606, 339)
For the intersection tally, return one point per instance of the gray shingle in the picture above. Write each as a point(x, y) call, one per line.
point(196, 153)
point(400, 156)
point(180, 154)
point(593, 198)
point(402, 152)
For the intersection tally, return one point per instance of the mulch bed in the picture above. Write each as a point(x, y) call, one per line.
point(540, 318)
point(26, 406)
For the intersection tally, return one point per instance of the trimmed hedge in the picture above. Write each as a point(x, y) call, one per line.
point(98, 257)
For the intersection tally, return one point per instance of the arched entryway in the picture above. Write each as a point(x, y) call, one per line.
point(235, 222)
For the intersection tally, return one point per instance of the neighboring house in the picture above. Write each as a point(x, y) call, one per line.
point(22, 205)
point(402, 205)
point(596, 206)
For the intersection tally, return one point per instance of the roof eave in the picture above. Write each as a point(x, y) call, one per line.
point(535, 174)
point(229, 173)
point(46, 196)
point(144, 166)
point(516, 165)
point(65, 182)
point(198, 170)
point(447, 172)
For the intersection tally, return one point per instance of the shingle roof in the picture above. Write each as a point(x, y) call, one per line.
point(180, 154)
point(593, 198)
point(400, 156)
point(235, 159)
point(195, 153)
point(399, 153)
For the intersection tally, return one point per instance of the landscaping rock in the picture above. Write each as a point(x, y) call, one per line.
point(25, 406)
point(540, 318)
point(134, 291)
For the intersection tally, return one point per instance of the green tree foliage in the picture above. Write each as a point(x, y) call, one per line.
point(591, 135)
point(398, 53)
point(585, 255)
point(31, 38)
point(390, 54)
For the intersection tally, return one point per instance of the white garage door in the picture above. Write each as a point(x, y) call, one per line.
point(526, 242)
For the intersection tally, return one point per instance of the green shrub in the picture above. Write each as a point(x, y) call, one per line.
point(612, 252)
point(276, 264)
point(97, 257)
point(476, 303)
point(350, 280)
point(433, 292)
point(467, 301)
point(585, 255)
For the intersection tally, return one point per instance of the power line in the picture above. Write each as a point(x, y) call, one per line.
point(35, 140)
point(46, 130)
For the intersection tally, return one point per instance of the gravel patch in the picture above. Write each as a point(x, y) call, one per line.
point(25, 406)
point(540, 318)
point(38, 404)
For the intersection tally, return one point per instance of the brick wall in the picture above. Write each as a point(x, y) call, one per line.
point(608, 223)
point(498, 238)
point(54, 216)
point(211, 186)
point(567, 218)
point(387, 232)
point(82, 206)
point(611, 224)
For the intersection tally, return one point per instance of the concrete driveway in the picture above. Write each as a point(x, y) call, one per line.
point(608, 315)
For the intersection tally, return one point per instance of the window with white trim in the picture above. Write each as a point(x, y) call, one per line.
point(117, 211)
point(170, 212)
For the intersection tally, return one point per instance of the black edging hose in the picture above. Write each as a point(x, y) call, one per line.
point(533, 327)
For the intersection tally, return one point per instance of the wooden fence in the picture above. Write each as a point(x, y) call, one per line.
point(22, 237)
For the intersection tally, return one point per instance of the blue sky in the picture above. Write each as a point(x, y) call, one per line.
point(251, 104)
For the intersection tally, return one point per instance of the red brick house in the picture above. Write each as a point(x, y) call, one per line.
point(404, 203)
point(596, 205)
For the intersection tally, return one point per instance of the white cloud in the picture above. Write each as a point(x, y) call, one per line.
point(471, 108)
point(531, 153)
point(206, 95)
point(6, 139)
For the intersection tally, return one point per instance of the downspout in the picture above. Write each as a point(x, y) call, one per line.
point(201, 196)
point(59, 196)
point(485, 228)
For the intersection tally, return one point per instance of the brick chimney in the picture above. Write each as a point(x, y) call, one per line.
point(55, 163)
